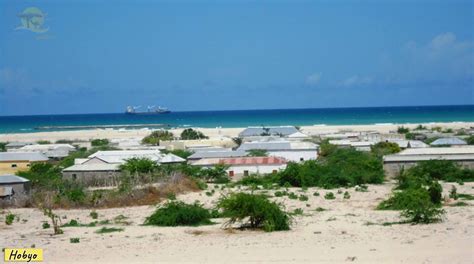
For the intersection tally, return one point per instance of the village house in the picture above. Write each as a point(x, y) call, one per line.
point(52, 151)
point(392, 164)
point(217, 154)
point(289, 150)
point(103, 167)
point(245, 166)
point(448, 141)
point(11, 162)
point(12, 185)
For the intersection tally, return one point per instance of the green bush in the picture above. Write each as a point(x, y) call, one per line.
point(105, 230)
point(347, 195)
point(74, 240)
point(401, 200)
point(100, 142)
point(385, 148)
point(175, 213)
point(182, 153)
point(453, 194)
point(470, 140)
point(436, 193)
point(46, 225)
point(444, 170)
point(422, 211)
point(303, 198)
point(190, 134)
point(257, 153)
point(292, 196)
point(339, 168)
point(156, 136)
point(329, 196)
point(316, 194)
point(94, 215)
point(403, 130)
point(256, 209)
point(9, 219)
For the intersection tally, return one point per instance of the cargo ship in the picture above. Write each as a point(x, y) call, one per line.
point(151, 110)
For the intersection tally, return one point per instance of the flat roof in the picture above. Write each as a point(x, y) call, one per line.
point(22, 156)
point(10, 178)
point(414, 158)
point(438, 151)
point(242, 161)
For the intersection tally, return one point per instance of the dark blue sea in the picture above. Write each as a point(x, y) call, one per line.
point(243, 118)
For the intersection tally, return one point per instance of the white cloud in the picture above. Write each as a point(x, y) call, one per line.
point(314, 78)
point(356, 80)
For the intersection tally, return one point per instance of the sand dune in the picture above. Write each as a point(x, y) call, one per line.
point(343, 233)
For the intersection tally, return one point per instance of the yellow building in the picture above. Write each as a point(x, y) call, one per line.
point(11, 162)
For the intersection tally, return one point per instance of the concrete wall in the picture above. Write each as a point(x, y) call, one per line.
point(392, 169)
point(182, 144)
point(93, 178)
point(7, 167)
point(295, 155)
point(18, 188)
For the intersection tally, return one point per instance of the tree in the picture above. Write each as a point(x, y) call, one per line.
point(385, 148)
point(100, 142)
point(156, 136)
point(216, 174)
point(190, 134)
point(237, 141)
point(470, 140)
point(139, 165)
point(403, 130)
point(3, 146)
point(257, 153)
point(182, 153)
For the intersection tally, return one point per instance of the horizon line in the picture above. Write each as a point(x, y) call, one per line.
point(253, 109)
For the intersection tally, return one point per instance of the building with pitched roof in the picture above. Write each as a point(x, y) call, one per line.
point(289, 150)
point(11, 162)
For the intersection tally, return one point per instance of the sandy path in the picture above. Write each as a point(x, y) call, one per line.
point(333, 236)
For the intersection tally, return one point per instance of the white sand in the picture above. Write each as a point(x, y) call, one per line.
point(211, 132)
point(313, 239)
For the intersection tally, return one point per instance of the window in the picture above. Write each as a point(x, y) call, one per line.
point(274, 171)
point(246, 173)
point(231, 173)
point(74, 176)
point(301, 159)
point(14, 165)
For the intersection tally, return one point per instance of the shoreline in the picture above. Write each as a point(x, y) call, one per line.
point(110, 133)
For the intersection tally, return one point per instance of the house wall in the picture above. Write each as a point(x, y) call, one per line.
point(93, 178)
point(392, 169)
point(252, 169)
point(295, 155)
point(6, 167)
point(18, 188)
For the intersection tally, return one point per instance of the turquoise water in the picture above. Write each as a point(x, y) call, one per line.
point(243, 118)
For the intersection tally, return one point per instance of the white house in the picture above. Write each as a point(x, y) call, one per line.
point(289, 150)
point(244, 166)
point(49, 150)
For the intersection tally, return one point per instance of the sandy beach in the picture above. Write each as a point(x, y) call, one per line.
point(347, 231)
point(86, 135)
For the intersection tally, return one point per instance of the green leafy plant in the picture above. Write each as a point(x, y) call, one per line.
point(303, 198)
point(74, 240)
point(190, 134)
point(100, 142)
point(156, 136)
point(347, 195)
point(94, 215)
point(316, 194)
point(257, 153)
point(175, 213)
point(9, 218)
point(329, 196)
point(105, 230)
point(257, 210)
point(453, 194)
point(46, 225)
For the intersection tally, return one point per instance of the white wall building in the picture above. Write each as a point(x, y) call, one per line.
point(291, 151)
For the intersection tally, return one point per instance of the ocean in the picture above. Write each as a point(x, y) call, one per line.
point(243, 118)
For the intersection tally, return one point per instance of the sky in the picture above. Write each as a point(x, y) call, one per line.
point(100, 56)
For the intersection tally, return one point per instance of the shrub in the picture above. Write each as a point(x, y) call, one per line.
point(401, 200)
point(94, 215)
point(460, 203)
point(100, 142)
point(385, 148)
point(347, 195)
point(297, 211)
point(292, 196)
point(256, 209)
point(280, 193)
point(190, 134)
point(9, 219)
point(470, 140)
point(403, 130)
point(453, 194)
point(74, 240)
point(445, 170)
point(362, 188)
point(46, 225)
point(316, 194)
point(156, 136)
point(139, 165)
point(182, 153)
point(436, 192)
point(171, 196)
point(329, 196)
point(216, 174)
point(422, 211)
point(257, 153)
point(176, 213)
point(303, 198)
point(105, 230)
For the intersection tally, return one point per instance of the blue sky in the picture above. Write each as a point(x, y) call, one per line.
point(99, 56)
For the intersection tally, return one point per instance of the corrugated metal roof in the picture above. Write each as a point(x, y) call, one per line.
point(414, 158)
point(257, 131)
point(46, 147)
point(218, 154)
point(448, 141)
point(277, 145)
point(413, 143)
point(438, 151)
point(93, 167)
point(171, 158)
point(22, 156)
point(242, 161)
point(10, 178)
